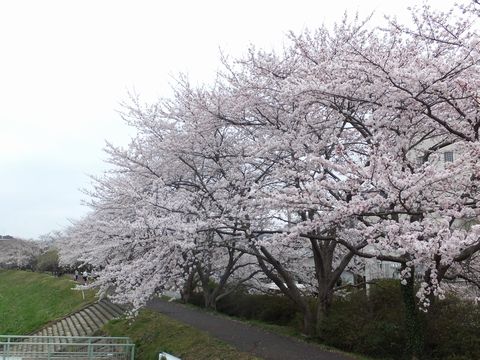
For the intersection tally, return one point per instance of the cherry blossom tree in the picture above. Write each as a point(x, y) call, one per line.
point(334, 148)
point(18, 253)
point(412, 93)
point(161, 204)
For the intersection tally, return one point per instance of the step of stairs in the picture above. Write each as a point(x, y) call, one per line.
point(82, 323)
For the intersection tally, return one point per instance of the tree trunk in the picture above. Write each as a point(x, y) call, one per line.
point(209, 300)
point(324, 301)
point(308, 322)
point(187, 289)
point(415, 340)
point(288, 287)
point(209, 295)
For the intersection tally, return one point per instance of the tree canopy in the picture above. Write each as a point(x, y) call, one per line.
point(332, 150)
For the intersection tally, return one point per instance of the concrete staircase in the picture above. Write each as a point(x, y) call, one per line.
point(83, 323)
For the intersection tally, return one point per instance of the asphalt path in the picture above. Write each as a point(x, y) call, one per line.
point(245, 337)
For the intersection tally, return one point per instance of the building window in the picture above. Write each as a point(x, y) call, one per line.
point(448, 156)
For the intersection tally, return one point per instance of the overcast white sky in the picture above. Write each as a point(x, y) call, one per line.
point(66, 65)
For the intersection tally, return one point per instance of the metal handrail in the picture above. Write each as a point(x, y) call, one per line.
point(60, 343)
point(51, 347)
point(64, 336)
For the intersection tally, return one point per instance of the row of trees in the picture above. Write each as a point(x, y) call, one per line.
point(330, 151)
point(30, 255)
point(18, 253)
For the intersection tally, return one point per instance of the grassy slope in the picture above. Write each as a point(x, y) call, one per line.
point(30, 300)
point(153, 332)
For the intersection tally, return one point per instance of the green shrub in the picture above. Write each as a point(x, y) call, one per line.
point(268, 308)
point(370, 325)
point(453, 330)
point(373, 325)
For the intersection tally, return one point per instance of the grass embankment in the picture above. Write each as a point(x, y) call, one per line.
point(30, 300)
point(153, 332)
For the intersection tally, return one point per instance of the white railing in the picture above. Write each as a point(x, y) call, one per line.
point(14, 347)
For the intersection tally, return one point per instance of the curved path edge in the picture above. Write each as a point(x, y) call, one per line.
point(245, 337)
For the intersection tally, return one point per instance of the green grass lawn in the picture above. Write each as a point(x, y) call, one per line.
point(153, 332)
point(29, 300)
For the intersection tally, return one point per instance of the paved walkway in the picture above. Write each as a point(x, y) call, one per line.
point(246, 338)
